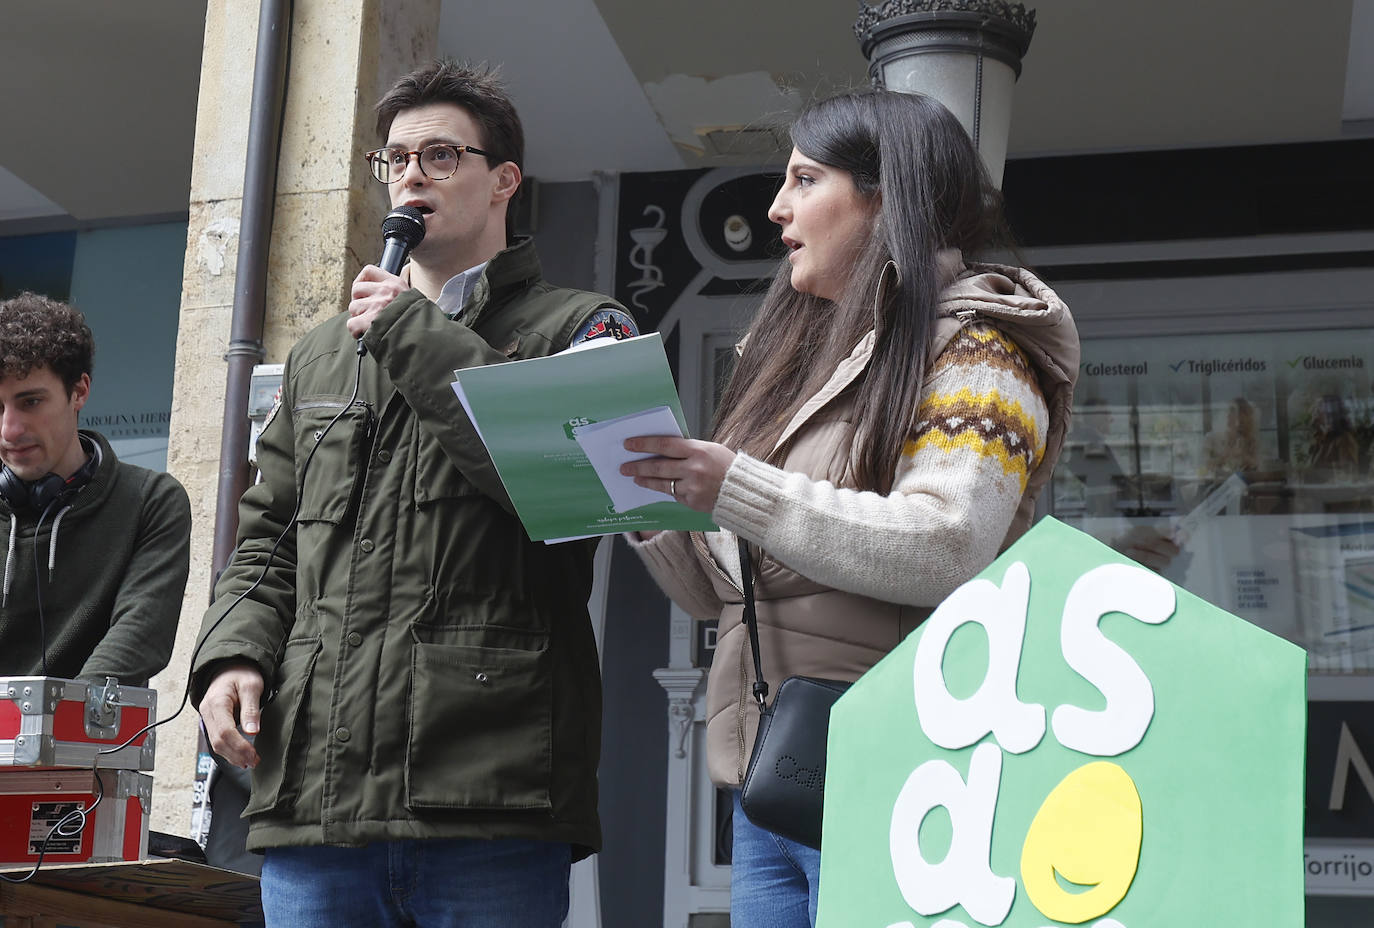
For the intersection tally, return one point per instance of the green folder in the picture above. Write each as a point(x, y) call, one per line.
point(527, 413)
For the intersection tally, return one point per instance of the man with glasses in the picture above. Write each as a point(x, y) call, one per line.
point(418, 681)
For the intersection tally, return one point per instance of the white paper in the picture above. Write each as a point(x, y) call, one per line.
point(467, 408)
point(604, 445)
point(1230, 492)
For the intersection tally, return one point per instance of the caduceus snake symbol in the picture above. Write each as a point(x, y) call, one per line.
point(646, 239)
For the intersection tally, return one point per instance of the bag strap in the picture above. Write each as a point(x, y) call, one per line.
point(751, 622)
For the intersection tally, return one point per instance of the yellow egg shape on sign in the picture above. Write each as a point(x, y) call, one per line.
point(1083, 846)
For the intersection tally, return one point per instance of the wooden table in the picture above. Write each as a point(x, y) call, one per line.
point(156, 893)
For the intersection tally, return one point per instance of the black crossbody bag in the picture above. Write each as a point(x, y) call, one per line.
point(785, 783)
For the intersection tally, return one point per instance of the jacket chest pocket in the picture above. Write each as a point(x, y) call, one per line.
point(335, 454)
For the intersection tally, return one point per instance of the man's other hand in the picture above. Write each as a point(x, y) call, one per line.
point(373, 290)
point(1148, 546)
point(234, 698)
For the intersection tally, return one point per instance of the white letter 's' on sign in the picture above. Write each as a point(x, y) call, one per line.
point(1140, 594)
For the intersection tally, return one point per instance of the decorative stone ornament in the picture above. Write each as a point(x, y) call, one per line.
point(1070, 739)
point(965, 53)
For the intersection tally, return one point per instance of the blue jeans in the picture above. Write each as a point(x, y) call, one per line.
point(466, 883)
point(773, 881)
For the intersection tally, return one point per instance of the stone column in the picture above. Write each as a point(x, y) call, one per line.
point(343, 55)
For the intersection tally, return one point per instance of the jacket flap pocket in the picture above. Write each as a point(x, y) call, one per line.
point(435, 476)
point(281, 742)
point(481, 728)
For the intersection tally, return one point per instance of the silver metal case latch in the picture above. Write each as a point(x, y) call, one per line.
point(102, 709)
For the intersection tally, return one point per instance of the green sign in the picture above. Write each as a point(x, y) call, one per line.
point(1070, 739)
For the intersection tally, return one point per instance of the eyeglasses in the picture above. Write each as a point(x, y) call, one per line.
point(437, 162)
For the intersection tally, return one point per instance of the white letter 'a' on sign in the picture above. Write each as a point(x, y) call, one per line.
point(964, 877)
point(1142, 595)
point(956, 723)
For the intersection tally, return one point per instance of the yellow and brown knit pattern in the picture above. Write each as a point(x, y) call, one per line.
point(982, 399)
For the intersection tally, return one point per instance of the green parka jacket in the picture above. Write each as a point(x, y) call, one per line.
point(434, 671)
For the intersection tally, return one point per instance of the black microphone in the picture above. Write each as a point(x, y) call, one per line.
point(402, 229)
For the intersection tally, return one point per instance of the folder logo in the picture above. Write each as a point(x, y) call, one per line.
point(1069, 739)
point(572, 425)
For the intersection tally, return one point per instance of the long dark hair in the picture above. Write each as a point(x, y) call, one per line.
point(911, 152)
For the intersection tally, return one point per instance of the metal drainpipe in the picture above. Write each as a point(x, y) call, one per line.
point(250, 276)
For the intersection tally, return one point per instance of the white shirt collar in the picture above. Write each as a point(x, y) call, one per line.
point(454, 296)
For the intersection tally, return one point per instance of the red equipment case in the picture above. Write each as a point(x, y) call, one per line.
point(32, 802)
point(51, 722)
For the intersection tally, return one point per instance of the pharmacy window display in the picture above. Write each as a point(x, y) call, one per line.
point(1239, 467)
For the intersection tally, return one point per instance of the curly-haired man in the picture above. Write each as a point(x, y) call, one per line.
point(98, 550)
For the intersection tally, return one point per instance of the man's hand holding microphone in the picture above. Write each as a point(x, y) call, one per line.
point(378, 284)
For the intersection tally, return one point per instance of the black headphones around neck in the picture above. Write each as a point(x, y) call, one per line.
point(36, 496)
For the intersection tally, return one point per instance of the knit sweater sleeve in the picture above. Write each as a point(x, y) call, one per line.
point(980, 432)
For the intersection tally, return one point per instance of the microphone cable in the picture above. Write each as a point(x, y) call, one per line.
point(75, 821)
point(271, 555)
point(402, 230)
point(70, 825)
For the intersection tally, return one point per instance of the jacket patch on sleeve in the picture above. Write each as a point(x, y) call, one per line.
point(612, 323)
point(272, 413)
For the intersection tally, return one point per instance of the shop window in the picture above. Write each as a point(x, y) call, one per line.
point(1238, 466)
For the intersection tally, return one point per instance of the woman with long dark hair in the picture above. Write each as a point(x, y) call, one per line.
point(895, 409)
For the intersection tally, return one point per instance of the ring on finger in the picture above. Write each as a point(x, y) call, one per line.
point(672, 488)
